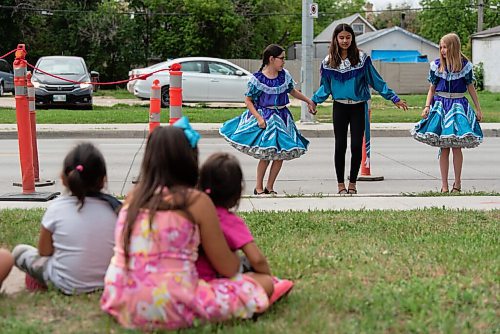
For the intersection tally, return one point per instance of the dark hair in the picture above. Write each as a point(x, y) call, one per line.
point(169, 163)
point(222, 179)
point(272, 50)
point(352, 51)
point(84, 171)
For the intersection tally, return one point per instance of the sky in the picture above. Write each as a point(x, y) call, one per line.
point(382, 4)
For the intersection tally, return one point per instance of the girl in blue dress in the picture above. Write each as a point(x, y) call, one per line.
point(449, 122)
point(266, 130)
point(347, 74)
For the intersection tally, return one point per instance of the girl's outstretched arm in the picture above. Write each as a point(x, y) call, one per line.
point(311, 106)
point(377, 82)
point(428, 100)
point(257, 260)
point(472, 91)
point(213, 242)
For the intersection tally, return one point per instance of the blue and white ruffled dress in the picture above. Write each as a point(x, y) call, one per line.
point(280, 140)
point(451, 121)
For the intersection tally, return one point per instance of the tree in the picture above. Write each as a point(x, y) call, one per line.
point(108, 40)
point(440, 17)
point(393, 16)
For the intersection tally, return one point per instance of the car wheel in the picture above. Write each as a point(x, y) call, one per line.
point(165, 96)
point(1, 89)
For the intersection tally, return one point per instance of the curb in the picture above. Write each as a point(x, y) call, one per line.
point(212, 133)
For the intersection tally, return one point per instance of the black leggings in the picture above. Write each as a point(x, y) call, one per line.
point(343, 115)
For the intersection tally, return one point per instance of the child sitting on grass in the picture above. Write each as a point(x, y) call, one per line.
point(152, 282)
point(222, 179)
point(77, 233)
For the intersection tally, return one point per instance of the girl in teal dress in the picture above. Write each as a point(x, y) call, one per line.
point(266, 130)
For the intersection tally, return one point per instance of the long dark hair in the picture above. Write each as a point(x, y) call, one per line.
point(334, 51)
point(222, 179)
point(273, 50)
point(84, 171)
point(169, 164)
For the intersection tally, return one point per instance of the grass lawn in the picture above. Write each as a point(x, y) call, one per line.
point(422, 271)
point(382, 112)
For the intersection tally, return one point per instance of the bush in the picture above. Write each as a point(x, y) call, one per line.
point(479, 74)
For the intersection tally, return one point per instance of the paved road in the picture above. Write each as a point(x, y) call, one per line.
point(406, 165)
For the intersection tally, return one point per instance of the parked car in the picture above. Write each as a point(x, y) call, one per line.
point(6, 77)
point(135, 73)
point(53, 92)
point(204, 79)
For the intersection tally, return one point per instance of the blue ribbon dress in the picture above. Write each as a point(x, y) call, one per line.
point(451, 121)
point(280, 140)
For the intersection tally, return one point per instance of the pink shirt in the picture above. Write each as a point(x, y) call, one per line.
point(237, 235)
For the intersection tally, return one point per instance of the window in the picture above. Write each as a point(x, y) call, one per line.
point(62, 66)
point(219, 68)
point(4, 66)
point(359, 28)
point(192, 66)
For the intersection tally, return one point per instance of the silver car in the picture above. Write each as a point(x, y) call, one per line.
point(6, 77)
point(204, 79)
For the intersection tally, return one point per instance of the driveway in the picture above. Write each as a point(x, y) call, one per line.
point(8, 101)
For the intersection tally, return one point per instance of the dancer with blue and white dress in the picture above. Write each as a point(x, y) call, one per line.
point(449, 122)
point(266, 130)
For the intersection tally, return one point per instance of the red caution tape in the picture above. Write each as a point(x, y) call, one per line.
point(141, 77)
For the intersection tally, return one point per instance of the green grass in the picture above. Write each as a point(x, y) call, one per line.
point(382, 112)
point(119, 93)
point(421, 271)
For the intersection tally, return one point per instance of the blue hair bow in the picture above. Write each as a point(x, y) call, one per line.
point(191, 135)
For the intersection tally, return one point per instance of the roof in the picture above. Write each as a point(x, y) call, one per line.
point(495, 31)
point(326, 34)
point(399, 56)
point(369, 36)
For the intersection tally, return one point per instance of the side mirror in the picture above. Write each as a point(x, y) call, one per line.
point(239, 73)
point(94, 74)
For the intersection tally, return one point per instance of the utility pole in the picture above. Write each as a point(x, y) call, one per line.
point(309, 11)
point(480, 15)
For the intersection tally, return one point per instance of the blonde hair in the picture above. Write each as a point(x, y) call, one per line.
point(454, 57)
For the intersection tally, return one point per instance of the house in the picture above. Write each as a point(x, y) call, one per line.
point(358, 23)
point(387, 45)
point(485, 49)
point(397, 45)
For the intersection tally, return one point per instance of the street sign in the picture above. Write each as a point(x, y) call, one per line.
point(313, 10)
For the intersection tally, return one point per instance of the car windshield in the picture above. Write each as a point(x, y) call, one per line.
point(62, 66)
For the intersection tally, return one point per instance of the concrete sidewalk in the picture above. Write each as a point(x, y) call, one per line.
point(208, 130)
point(337, 202)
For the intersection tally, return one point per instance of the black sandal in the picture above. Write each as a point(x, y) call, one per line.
point(455, 189)
point(343, 192)
point(352, 191)
point(255, 192)
point(269, 192)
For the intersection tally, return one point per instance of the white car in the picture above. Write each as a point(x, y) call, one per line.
point(136, 72)
point(204, 79)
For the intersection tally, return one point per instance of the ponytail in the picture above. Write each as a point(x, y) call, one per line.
point(76, 185)
point(84, 171)
point(261, 67)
